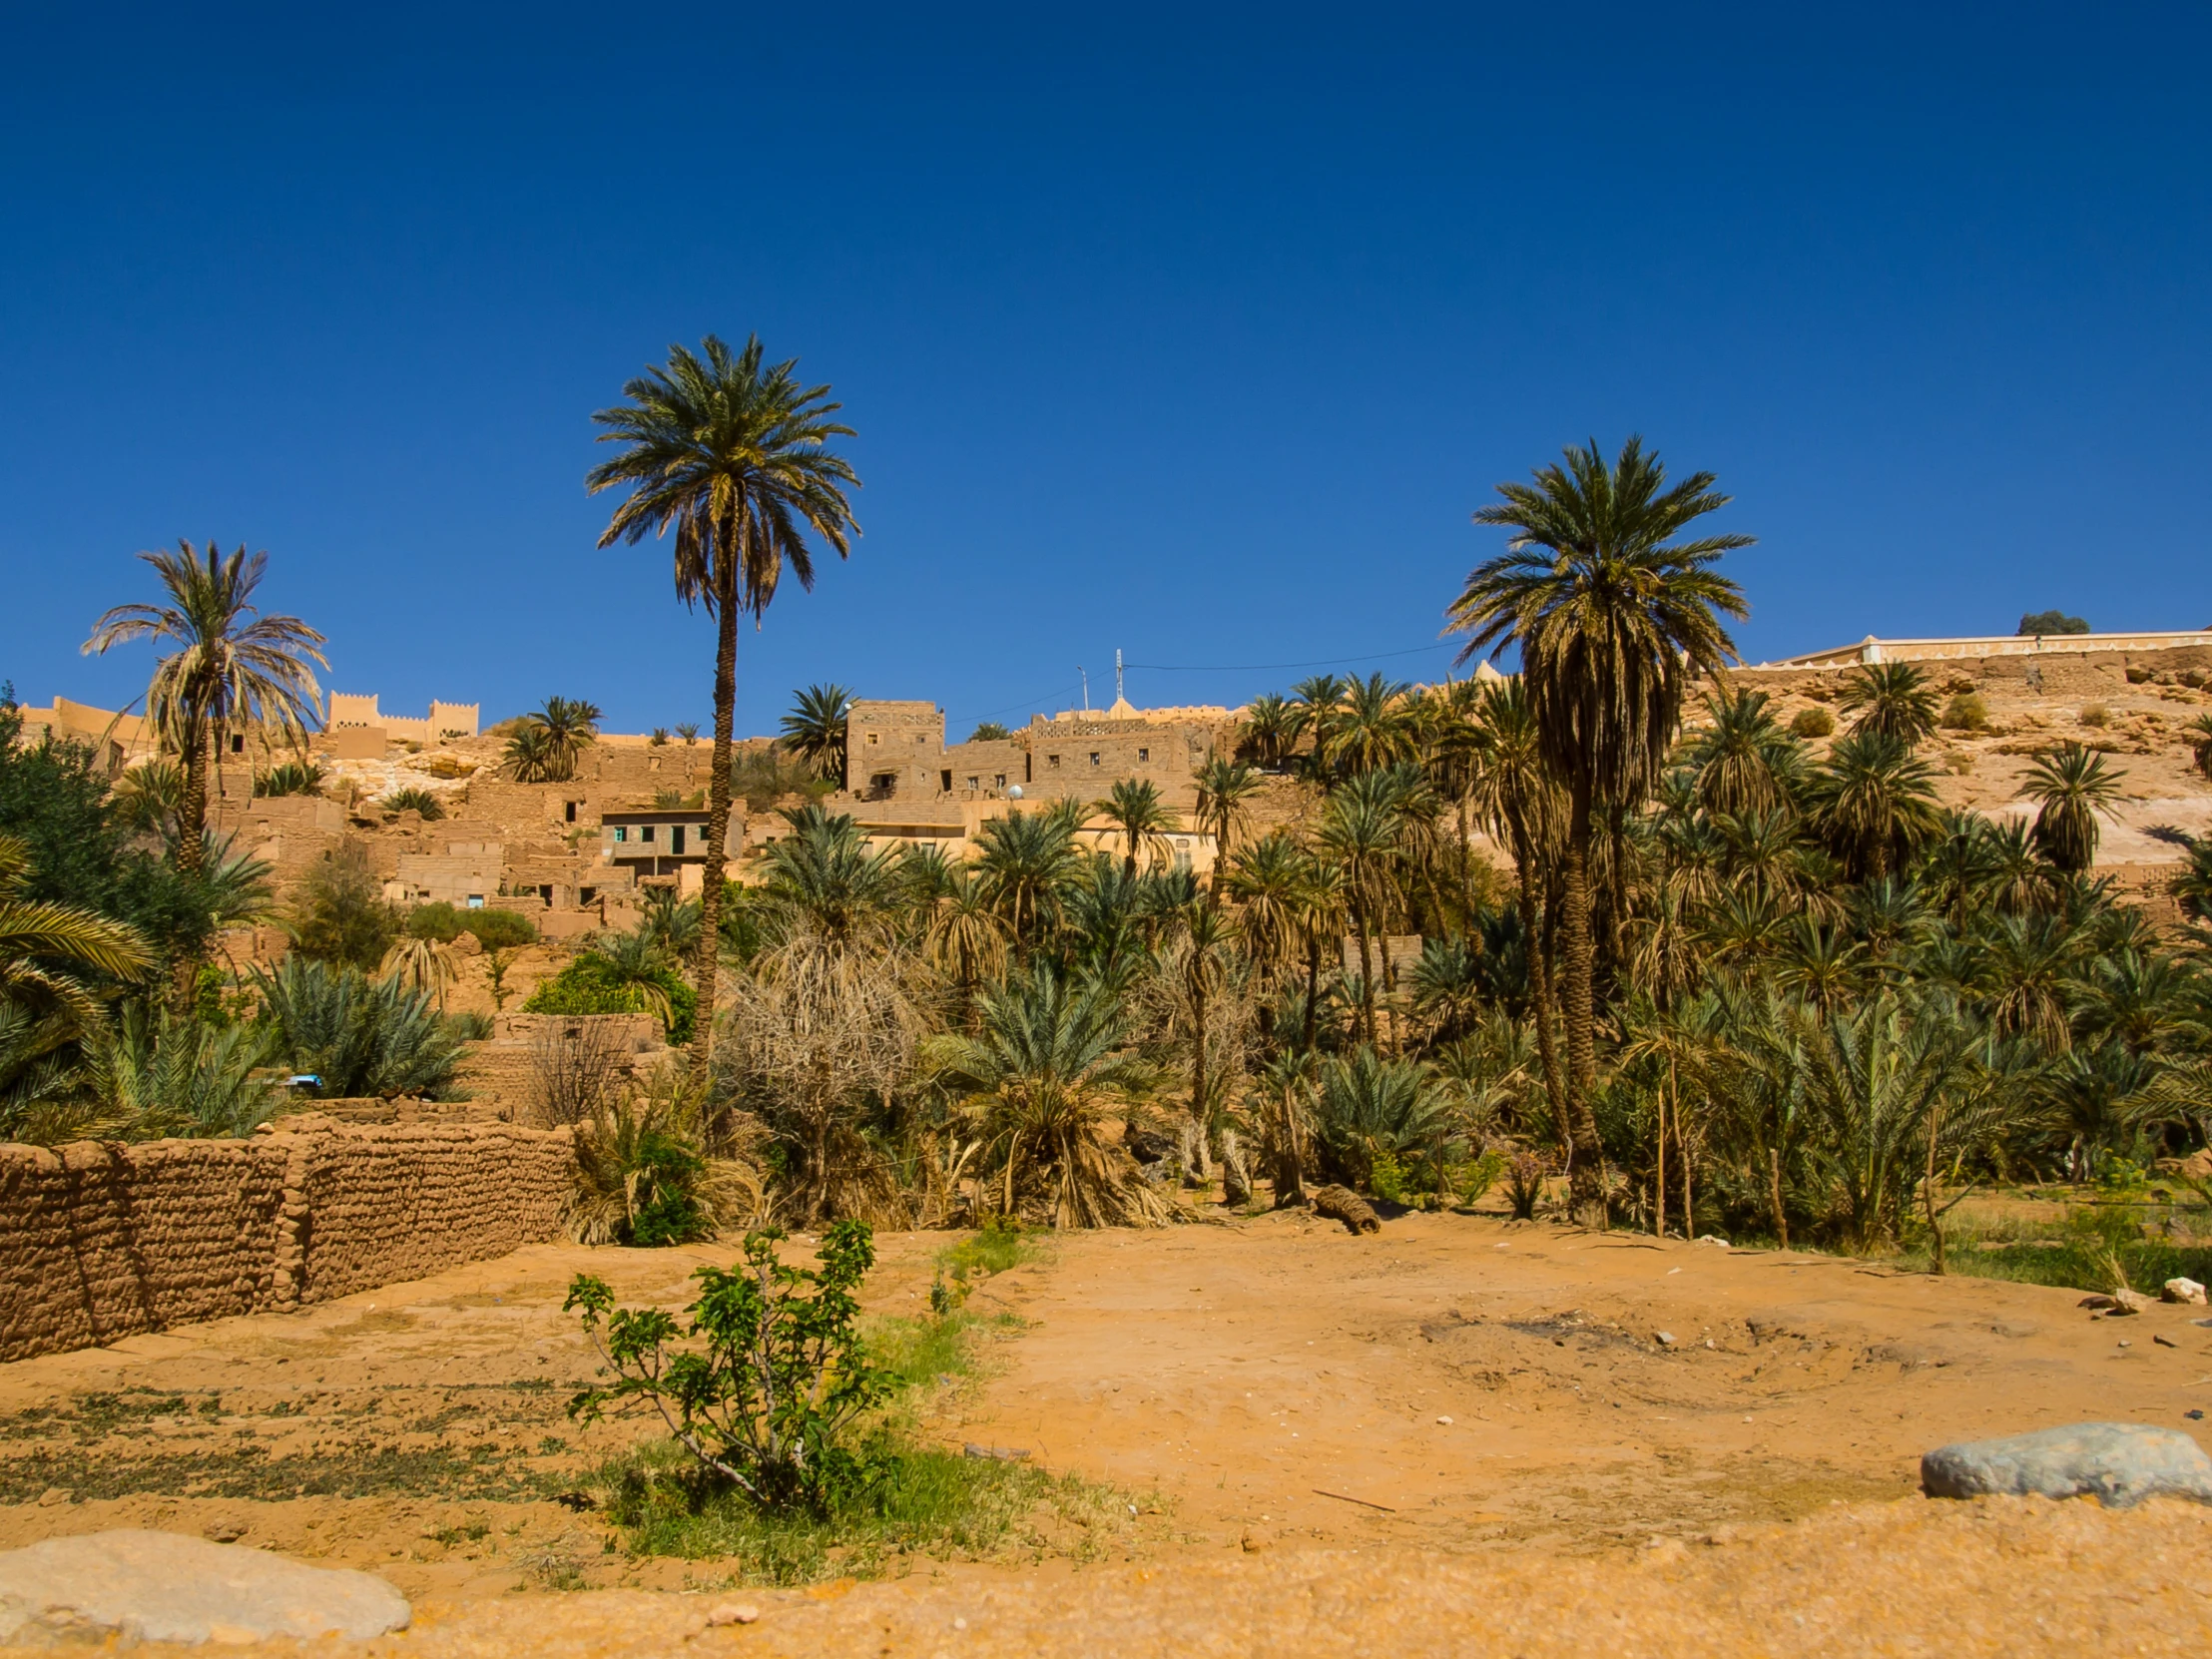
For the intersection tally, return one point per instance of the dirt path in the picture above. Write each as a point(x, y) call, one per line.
point(1227, 1377)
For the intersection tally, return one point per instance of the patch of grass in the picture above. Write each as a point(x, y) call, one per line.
point(999, 1245)
point(926, 1501)
point(2087, 1251)
point(918, 1351)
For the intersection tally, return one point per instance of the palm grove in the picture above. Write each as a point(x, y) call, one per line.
point(1714, 977)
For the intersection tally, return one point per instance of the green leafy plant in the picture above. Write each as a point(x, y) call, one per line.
point(340, 914)
point(644, 1175)
point(1524, 1184)
point(496, 929)
point(290, 778)
point(1478, 1175)
point(597, 983)
point(361, 1037)
point(765, 1381)
point(416, 798)
point(1813, 723)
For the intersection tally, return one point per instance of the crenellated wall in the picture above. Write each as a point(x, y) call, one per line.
point(101, 1240)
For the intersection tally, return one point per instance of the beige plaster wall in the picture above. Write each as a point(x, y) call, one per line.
point(100, 1241)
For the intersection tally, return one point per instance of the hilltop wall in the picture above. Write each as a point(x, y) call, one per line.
point(99, 1241)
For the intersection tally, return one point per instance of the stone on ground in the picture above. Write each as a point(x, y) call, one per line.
point(2118, 1464)
point(164, 1587)
point(2184, 1291)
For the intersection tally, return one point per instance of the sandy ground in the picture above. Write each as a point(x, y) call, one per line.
point(1460, 1435)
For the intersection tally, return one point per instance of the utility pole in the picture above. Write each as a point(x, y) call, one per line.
point(1119, 695)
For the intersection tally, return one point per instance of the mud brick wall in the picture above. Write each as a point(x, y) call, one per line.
point(99, 1242)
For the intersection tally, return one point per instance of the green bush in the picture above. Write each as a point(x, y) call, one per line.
point(1813, 723)
point(774, 1378)
point(415, 800)
point(496, 929)
point(361, 1037)
point(290, 778)
point(593, 985)
point(340, 914)
point(2051, 622)
point(1965, 711)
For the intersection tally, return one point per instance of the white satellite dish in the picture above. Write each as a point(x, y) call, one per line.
point(1014, 794)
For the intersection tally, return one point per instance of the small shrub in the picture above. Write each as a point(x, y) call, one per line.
point(659, 739)
point(496, 929)
point(2051, 622)
point(340, 914)
point(688, 732)
point(776, 1378)
point(292, 777)
point(1478, 1175)
point(1524, 1184)
point(414, 799)
point(2098, 714)
point(1813, 723)
point(1965, 711)
point(591, 984)
point(361, 1037)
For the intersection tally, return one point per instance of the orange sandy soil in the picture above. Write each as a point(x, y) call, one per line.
point(1749, 1489)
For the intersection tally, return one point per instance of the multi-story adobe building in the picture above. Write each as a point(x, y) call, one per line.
point(905, 784)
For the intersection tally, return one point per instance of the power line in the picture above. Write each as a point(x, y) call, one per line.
point(1259, 668)
point(1027, 703)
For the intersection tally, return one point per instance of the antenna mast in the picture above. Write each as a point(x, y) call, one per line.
point(1086, 687)
point(1119, 696)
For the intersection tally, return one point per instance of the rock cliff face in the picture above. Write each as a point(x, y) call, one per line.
point(99, 1242)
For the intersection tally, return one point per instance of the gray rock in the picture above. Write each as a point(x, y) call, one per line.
point(2118, 1464)
point(164, 1587)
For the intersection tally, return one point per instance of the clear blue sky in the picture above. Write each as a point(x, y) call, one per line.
point(1192, 331)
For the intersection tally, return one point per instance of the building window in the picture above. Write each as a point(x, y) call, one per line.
point(587, 895)
point(976, 783)
point(569, 808)
point(1144, 754)
point(622, 831)
point(1094, 757)
point(945, 782)
point(238, 743)
point(871, 737)
point(475, 901)
point(1052, 763)
point(676, 841)
point(646, 835)
point(998, 782)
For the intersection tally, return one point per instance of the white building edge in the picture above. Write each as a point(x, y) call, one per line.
point(1873, 650)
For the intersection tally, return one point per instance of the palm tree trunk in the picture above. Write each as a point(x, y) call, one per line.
point(1689, 1192)
point(1774, 1195)
point(1198, 1053)
point(1659, 1198)
point(192, 857)
point(1313, 983)
point(1366, 971)
point(1539, 973)
point(718, 834)
point(1586, 1152)
point(1467, 875)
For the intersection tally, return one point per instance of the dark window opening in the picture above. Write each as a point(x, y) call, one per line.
point(676, 841)
point(945, 783)
point(1144, 753)
point(545, 891)
point(646, 833)
point(587, 895)
point(238, 743)
point(571, 807)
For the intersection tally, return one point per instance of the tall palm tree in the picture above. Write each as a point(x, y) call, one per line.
point(1315, 705)
point(550, 739)
point(1026, 863)
point(1874, 802)
point(1361, 832)
point(2071, 787)
point(1271, 728)
point(1519, 802)
point(1892, 700)
point(733, 455)
point(229, 667)
point(1265, 878)
point(1223, 789)
point(1745, 762)
point(1133, 805)
point(813, 730)
point(1372, 729)
point(1611, 616)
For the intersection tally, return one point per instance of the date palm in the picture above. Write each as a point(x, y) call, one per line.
point(732, 455)
point(1361, 834)
point(1265, 879)
point(1223, 789)
point(1026, 863)
point(815, 728)
point(225, 667)
point(2071, 787)
point(1745, 763)
point(1315, 705)
point(559, 730)
point(1133, 805)
point(46, 949)
point(1890, 698)
point(1612, 615)
point(1874, 802)
point(1270, 730)
point(1373, 727)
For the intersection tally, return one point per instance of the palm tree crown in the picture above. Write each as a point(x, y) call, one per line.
point(2074, 787)
point(815, 728)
